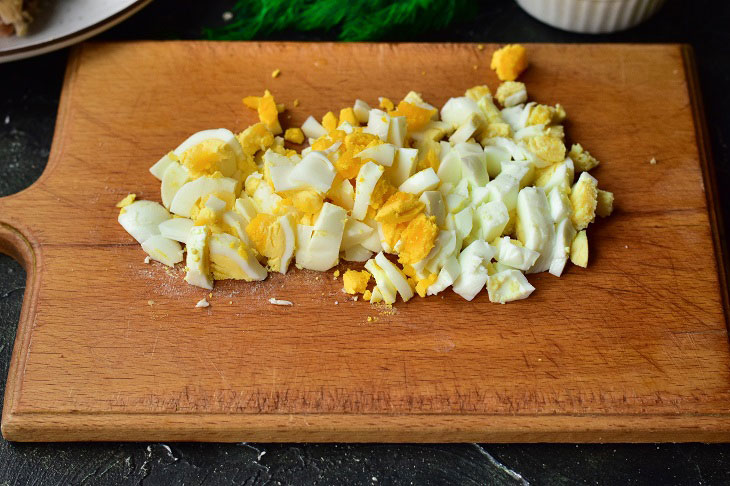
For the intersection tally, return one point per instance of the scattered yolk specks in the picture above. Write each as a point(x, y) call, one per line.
point(276, 73)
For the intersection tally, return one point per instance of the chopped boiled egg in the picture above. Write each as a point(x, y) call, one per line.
point(470, 196)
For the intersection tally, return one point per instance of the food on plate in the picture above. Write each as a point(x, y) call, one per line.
point(471, 196)
point(14, 17)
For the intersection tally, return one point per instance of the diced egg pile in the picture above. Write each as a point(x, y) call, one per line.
point(471, 196)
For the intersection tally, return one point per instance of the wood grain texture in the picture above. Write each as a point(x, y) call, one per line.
point(634, 348)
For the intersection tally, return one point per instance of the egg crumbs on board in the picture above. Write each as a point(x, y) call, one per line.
point(280, 302)
point(653, 161)
point(202, 303)
point(276, 73)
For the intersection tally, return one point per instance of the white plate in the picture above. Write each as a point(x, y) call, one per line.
point(66, 22)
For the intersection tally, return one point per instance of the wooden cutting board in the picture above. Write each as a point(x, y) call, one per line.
point(634, 348)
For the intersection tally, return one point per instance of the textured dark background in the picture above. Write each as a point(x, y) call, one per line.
point(29, 92)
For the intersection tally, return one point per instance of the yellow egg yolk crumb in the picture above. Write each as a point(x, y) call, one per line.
point(416, 117)
point(400, 208)
point(348, 115)
point(423, 285)
point(254, 138)
point(329, 121)
point(509, 62)
point(266, 235)
point(579, 249)
point(418, 239)
point(584, 199)
point(294, 135)
point(208, 157)
point(355, 282)
point(547, 148)
point(128, 199)
point(386, 104)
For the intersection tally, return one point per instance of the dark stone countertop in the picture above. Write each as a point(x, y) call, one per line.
point(30, 91)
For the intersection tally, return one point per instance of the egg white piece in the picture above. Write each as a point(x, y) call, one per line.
point(435, 206)
point(456, 111)
point(315, 171)
point(245, 207)
point(403, 166)
point(378, 124)
point(362, 111)
point(396, 277)
point(289, 229)
point(355, 233)
point(474, 169)
point(367, 178)
point(490, 219)
point(560, 207)
point(176, 229)
point(173, 179)
point(463, 221)
point(419, 182)
point(455, 202)
point(313, 129)
point(474, 275)
point(446, 245)
point(397, 131)
point(238, 224)
point(522, 170)
point(159, 168)
point(216, 205)
point(280, 168)
point(450, 168)
point(346, 127)
point(196, 262)
point(513, 116)
point(265, 200)
point(223, 246)
point(357, 253)
point(504, 188)
point(342, 193)
point(446, 277)
point(466, 129)
point(163, 250)
point(534, 224)
point(142, 219)
point(322, 250)
point(223, 134)
point(495, 156)
point(386, 287)
point(383, 154)
point(372, 242)
point(191, 192)
point(515, 256)
point(508, 286)
point(564, 234)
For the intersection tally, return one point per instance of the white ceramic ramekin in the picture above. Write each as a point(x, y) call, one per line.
point(591, 16)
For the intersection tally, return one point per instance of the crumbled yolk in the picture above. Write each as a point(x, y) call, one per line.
point(355, 282)
point(416, 117)
point(418, 239)
point(347, 164)
point(367, 295)
point(254, 138)
point(329, 122)
point(431, 160)
point(582, 159)
point(381, 193)
point(276, 73)
point(477, 92)
point(392, 232)
point(399, 208)
point(269, 113)
point(547, 148)
point(507, 89)
point(129, 199)
point(294, 135)
point(579, 249)
point(584, 199)
point(423, 285)
point(604, 207)
point(348, 115)
point(305, 200)
point(386, 104)
point(509, 62)
point(267, 236)
point(207, 157)
point(545, 115)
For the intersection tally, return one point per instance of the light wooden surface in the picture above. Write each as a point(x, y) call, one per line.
point(634, 348)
